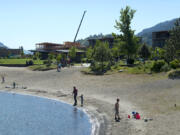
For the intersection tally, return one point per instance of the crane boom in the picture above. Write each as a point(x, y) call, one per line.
point(79, 26)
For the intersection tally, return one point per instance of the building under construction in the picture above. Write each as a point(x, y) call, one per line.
point(45, 48)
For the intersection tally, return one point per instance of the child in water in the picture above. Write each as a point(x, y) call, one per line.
point(82, 99)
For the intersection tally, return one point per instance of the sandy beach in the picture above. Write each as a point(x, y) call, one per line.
point(153, 96)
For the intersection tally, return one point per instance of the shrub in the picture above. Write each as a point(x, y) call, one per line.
point(96, 67)
point(174, 74)
point(130, 61)
point(157, 65)
point(29, 63)
point(165, 68)
point(175, 64)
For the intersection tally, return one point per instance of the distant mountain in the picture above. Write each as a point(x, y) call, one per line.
point(2, 45)
point(146, 34)
point(85, 41)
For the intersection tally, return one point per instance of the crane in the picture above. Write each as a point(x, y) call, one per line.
point(79, 26)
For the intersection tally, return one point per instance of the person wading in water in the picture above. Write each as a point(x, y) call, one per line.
point(75, 93)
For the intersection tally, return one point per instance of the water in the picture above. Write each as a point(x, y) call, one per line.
point(29, 115)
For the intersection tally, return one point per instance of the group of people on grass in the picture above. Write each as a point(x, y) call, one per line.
point(75, 94)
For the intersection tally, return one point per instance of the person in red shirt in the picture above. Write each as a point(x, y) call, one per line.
point(75, 93)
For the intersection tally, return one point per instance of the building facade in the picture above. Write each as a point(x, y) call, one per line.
point(159, 38)
point(4, 52)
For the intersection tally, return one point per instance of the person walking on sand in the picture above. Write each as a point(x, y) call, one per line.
point(75, 93)
point(117, 118)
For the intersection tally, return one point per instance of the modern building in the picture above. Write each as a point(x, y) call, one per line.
point(159, 38)
point(108, 39)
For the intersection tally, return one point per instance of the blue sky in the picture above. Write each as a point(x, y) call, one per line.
point(27, 22)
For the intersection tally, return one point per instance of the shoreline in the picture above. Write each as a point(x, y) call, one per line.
point(95, 125)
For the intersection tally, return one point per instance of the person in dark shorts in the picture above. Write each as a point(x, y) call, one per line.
point(117, 118)
point(75, 93)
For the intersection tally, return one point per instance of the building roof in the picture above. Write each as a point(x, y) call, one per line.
point(47, 43)
point(66, 51)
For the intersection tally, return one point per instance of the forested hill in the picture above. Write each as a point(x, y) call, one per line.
point(146, 34)
point(85, 41)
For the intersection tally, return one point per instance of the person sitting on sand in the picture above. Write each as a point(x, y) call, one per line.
point(75, 93)
point(117, 110)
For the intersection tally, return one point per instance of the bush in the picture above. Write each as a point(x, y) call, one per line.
point(157, 66)
point(29, 63)
point(130, 61)
point(165, 68)
point(174, 74)
point(34, 58)
point(175, 64)
point(96, 67)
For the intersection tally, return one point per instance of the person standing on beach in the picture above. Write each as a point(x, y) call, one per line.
point(117, 118)
point(3, 79)
point(75, 93)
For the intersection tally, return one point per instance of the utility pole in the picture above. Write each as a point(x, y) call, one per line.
point(79, 26)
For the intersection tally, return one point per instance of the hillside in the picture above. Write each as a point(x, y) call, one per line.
point(146, 34)
point(2, 45)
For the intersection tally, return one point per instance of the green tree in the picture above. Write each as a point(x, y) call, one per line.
point(72, 53)
point(89, 53)
point(128, 41)
point(37, 55)
point(144, 52)
point(172, 46)
point(50, 58)
point(102, 54)
point(22, 51)
point(58, 58)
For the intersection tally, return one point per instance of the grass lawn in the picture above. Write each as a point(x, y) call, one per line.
point(42, 67)
point(19, 61)
point(137, 68)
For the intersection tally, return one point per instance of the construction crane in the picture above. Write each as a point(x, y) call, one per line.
point(79, 26)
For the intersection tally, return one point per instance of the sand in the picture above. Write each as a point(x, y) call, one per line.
point(153, 96)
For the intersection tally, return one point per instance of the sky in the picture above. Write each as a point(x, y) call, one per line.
point(27, 22)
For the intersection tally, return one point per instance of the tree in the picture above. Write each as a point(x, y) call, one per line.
point(58, 58)
point(72, 53)
point(89, 53)
point(102, 54)
point(22, 51)
point(50, 58)
point(144, 52)
point(128, 41)
point(37, 55)
point(172, 45)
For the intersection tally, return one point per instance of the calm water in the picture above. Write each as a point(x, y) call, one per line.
point(28, 115)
